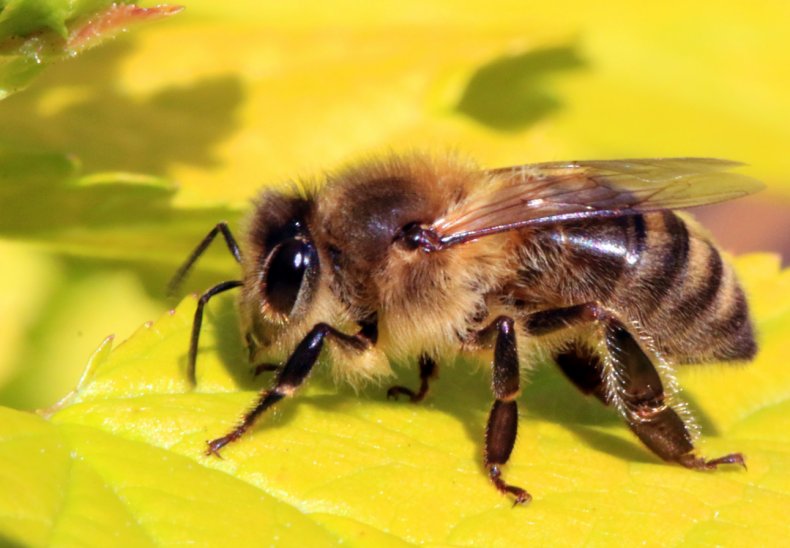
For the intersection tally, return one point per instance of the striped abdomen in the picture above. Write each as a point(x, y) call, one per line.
point(655, 268)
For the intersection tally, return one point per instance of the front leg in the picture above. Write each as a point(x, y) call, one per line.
point(503, 419)
point(291, 377)
point(197, 323)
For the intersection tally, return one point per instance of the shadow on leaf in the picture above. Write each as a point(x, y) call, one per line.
point(463, 392)
point(78, 106)
point(119, 218)
point(513, 92)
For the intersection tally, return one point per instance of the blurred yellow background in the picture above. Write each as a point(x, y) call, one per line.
point(227, 97)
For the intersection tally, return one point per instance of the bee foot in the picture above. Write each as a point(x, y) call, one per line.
point(521, 496)
point(394, 391)
point(211, 450)
point(699, 463)
point(214, 446)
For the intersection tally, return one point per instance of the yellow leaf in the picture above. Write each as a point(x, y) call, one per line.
point(125, 452)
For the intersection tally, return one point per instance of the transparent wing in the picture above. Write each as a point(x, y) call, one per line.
point(554, 192)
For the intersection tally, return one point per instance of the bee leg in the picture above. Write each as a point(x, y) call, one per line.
point(233, 247)
point(584, 369)
point(659, 427)
point(636, 386)
point(428, 370)
point(198, 322)
point(264, 367)
point(503, 419)
point(290, 377)
point(252, 351)
point(580, 364)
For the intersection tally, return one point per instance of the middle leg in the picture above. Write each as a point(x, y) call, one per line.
point(503, 419)
point(428, 370)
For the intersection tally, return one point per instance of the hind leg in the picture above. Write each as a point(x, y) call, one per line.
point(583, 368)
point(627, 378)
point(648, 415)
point(503, 418)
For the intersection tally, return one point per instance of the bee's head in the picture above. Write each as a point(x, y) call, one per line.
point(282, 267)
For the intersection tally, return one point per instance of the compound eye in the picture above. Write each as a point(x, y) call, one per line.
point(285, 272)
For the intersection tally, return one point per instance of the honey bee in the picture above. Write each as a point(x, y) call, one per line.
point(423, 257)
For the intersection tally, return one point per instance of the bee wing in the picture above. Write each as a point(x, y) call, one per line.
point(549, 193)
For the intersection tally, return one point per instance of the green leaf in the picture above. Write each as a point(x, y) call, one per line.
point(35, 33)
point(81, 486)
point(108, 214)
point(124, 453)
point(76, 241)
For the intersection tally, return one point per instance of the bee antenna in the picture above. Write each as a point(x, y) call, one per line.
point(183, 270)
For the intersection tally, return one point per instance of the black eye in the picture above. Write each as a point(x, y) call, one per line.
point(285, 273)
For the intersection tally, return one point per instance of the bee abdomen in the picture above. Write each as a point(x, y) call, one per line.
point(665, 262)
point(696, 305)
point(652, 267)
point(717, 312)
point(734, 330)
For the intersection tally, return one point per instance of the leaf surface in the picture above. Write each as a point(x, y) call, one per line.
point(124, 453)
point(36, 33)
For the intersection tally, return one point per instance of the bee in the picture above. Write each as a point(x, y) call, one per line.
point(425, 257)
